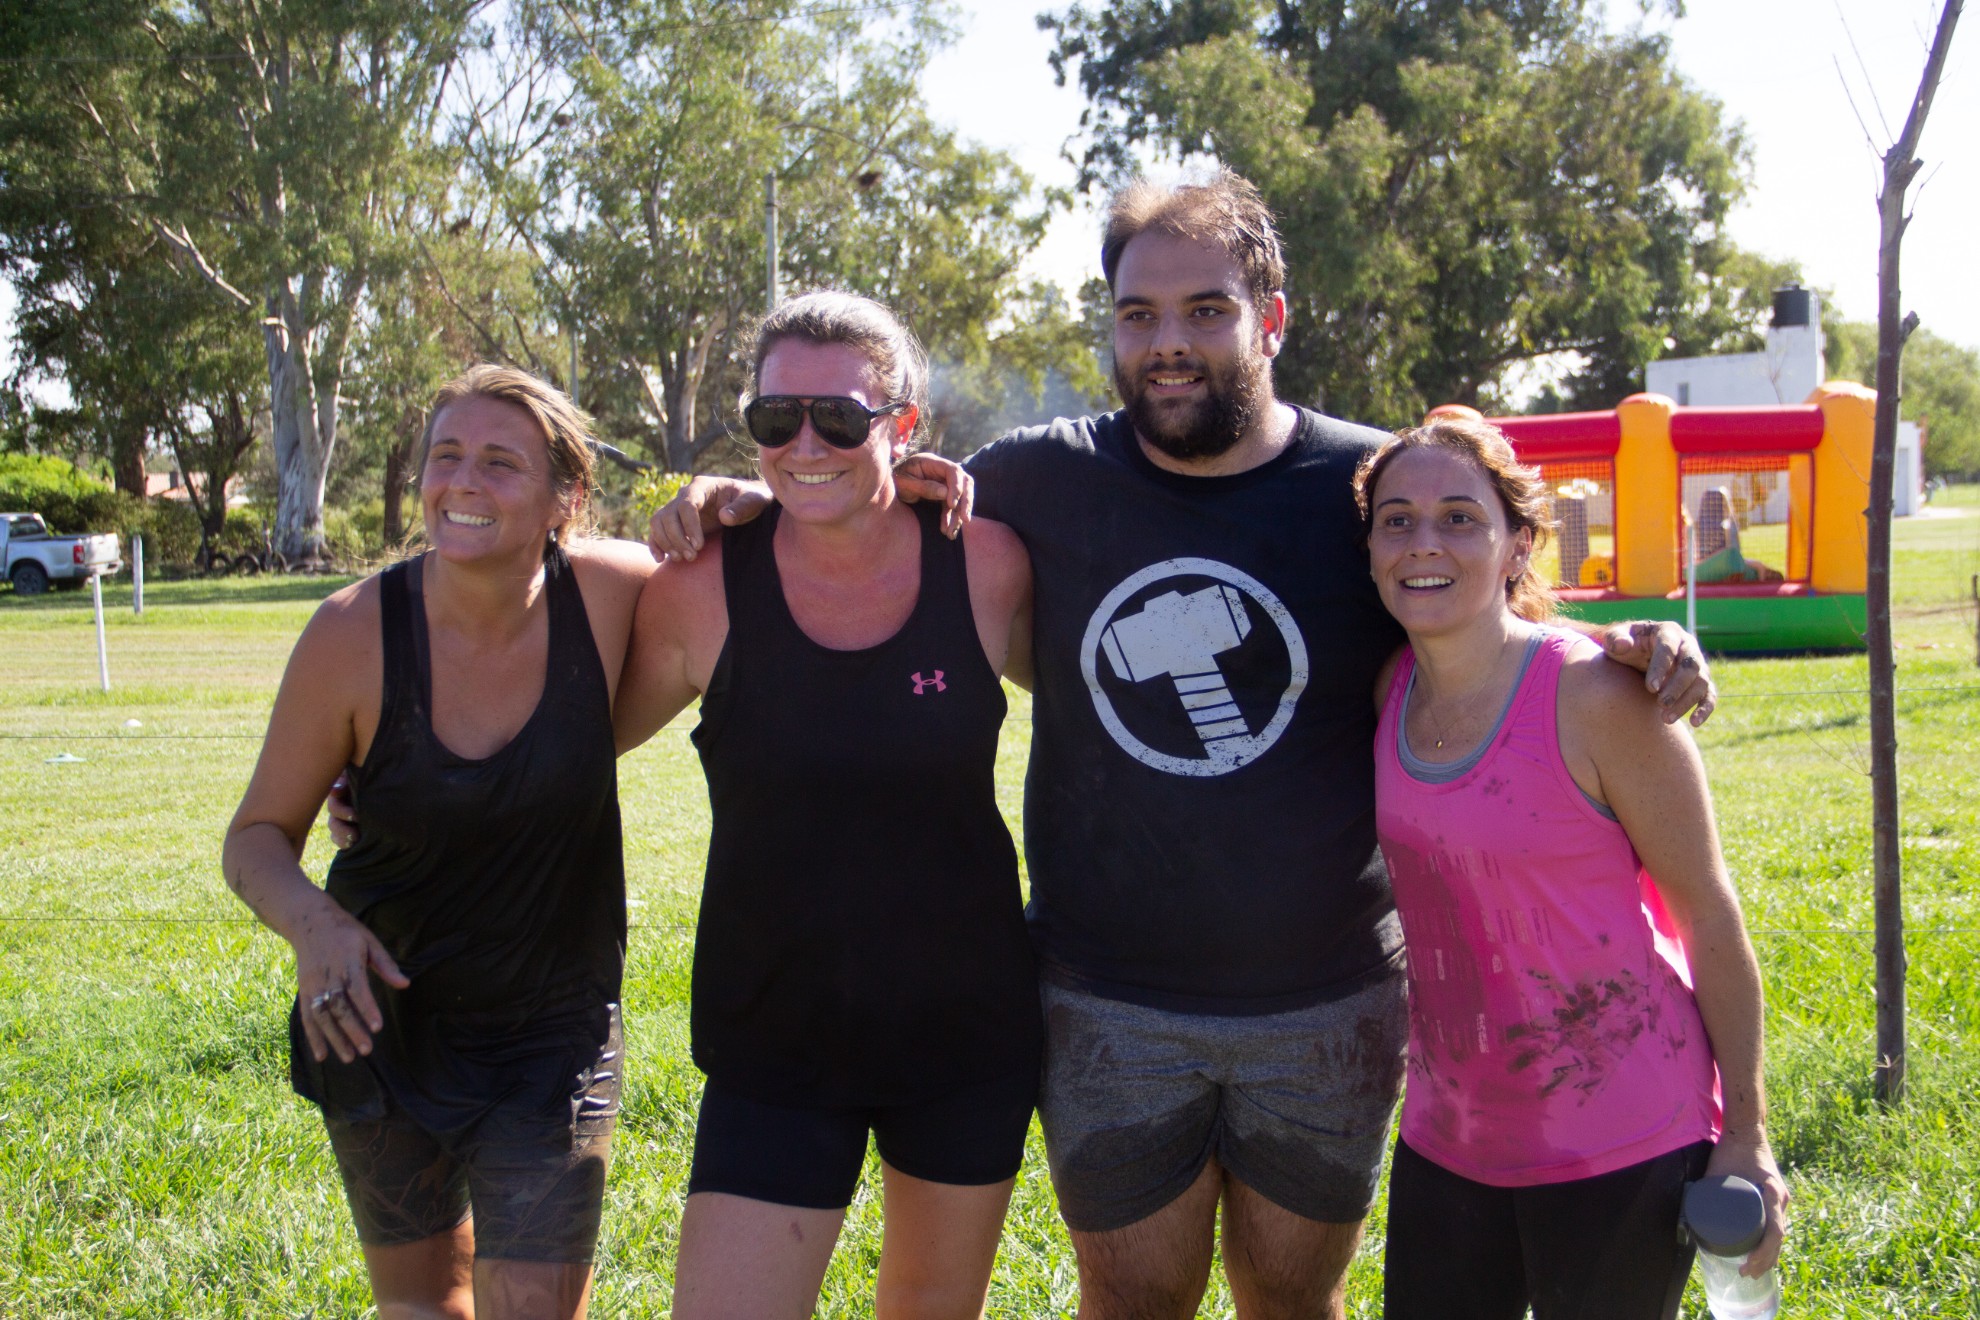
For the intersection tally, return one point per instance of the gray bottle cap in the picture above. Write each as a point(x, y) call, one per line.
point(1725, 1214)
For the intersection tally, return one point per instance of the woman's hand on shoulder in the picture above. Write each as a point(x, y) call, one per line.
point(1671, 662)
point(706, 504)
point(926, 476)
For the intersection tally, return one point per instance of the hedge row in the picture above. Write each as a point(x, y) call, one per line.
point(72, 502)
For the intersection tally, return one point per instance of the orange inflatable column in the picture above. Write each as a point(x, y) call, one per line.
point(1801, 516)
point(1841, 560)
point(1648, 532)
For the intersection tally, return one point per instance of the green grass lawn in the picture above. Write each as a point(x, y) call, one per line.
point(155, 1163)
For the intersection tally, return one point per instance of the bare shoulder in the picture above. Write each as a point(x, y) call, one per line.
point(677, 637)
point(1603, 702)
point(337, 668)
point(680, 589)
point(995, 551)
point(610, 575)
point(607, 559)
point(345, 627)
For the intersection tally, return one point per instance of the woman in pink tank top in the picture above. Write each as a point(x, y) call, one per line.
point(1584, 1004)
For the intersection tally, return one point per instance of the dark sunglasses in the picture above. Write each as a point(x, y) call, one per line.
point(776, 419)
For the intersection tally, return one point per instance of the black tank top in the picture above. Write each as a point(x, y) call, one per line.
point(497, 884)
point(861, 938)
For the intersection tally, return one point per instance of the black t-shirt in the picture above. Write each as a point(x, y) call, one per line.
point(1200, 806)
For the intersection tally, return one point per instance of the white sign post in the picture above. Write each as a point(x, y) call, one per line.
point(137, 573)
point(102, 650)
point(1690, 575)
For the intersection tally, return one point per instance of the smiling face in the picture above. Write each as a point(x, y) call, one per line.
point(1441, 546)
point(1192, 350)
point(814, 481)
point(486, 488)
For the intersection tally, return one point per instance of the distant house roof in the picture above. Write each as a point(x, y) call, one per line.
point(172, 486)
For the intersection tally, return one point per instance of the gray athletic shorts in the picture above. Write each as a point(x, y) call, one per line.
point(1294, 1105)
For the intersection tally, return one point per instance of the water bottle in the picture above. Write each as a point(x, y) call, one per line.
point(1727, 1219)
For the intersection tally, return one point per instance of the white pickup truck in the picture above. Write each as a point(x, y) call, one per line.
point(33, 558)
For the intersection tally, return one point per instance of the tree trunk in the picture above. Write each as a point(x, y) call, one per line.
point(127, 460)
point(302, 458)
point(681, 383)
point(1885, 861)
point(1901, 167)
point(398, 473)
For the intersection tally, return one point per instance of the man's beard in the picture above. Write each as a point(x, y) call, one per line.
point(1205, 428)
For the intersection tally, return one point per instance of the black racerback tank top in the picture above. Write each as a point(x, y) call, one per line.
point(861, 938)
point(497, 883)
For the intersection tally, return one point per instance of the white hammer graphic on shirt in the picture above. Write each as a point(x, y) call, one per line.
point(1180, 637)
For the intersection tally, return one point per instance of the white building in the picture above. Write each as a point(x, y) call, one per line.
point(1786, 371)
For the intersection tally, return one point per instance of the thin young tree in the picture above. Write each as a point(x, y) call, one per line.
point(1901, 168)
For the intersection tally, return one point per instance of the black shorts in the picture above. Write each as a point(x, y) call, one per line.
point(536, 1188)
point(811, 1156)
point(1601, 1248)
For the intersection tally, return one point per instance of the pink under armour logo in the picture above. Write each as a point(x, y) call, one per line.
point(921, 684)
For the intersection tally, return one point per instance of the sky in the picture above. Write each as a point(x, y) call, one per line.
point(1786, 70)
point(1772, 64)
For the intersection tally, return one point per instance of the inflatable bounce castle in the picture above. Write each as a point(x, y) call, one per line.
point(1754, 516)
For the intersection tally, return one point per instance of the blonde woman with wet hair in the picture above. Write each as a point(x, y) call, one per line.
point(456, 1015)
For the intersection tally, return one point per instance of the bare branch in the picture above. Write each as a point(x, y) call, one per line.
point(183, 244)
point(489, 340)
point(1868, 83)
point(1869, 139)
point(590, 47)
point(522, 337)
point(653, 398)
point(1928, 85)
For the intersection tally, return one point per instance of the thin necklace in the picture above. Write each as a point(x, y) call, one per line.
point(1445, 724)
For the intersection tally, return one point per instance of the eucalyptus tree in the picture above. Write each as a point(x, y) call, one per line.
point(451, 297)
point(266, 145)
point(91, 313)
point(647, 195)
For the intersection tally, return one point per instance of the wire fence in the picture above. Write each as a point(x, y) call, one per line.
point(1725, 699)
point(688, 925)
point(684, 924)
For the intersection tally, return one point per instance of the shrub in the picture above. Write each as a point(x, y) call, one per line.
point(69, 500)
point(171, 531)
point(350, 535)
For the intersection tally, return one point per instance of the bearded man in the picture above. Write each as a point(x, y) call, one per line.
point(1221, 958)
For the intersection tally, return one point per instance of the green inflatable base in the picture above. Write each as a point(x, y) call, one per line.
point(1736, 619)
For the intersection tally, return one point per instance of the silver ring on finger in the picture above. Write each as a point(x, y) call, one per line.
point(329, 998)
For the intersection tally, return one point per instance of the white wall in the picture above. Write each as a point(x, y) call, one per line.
point(1786, 372)
point(1908, 477)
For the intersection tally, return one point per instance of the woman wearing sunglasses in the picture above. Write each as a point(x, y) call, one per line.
point(861, 964)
